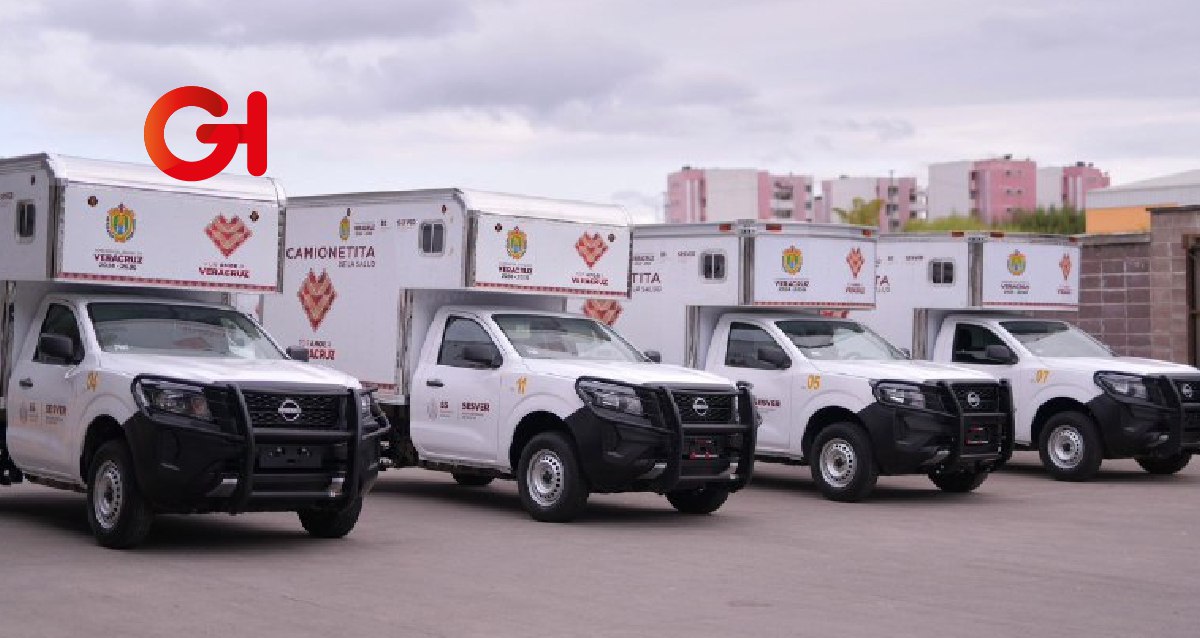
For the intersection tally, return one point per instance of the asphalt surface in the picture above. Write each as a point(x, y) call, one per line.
point(1024, 555)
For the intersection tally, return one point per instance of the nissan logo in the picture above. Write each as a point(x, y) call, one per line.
point(974, 400)
point(289, 410)
point(1186, 390)
point(700, 407)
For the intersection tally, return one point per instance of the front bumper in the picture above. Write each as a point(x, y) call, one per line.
point(1140, 428)
point(185, 465)
point(670, 451)
point(907, 440)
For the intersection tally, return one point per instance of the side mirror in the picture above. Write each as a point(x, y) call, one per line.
point(57, 347)
point(484, 356)
point(775, 357)
point(653, 355)
point(296, 353)
point(906, 352)
point(997, 353)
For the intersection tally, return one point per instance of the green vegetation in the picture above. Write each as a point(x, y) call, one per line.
point(861, 213)
point(1056, 221)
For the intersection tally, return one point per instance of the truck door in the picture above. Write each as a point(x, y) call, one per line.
point(455, 398)
point(752, 354)
point(43, 389)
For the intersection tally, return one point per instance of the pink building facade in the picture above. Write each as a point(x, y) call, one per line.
point(991, 189)
point(702, 195)
point(898, 194)
point(1068, 186)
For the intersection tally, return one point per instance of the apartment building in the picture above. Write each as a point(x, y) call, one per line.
point(727, 194)
point(992, 189)
point(898, 194)
point(1068, 186)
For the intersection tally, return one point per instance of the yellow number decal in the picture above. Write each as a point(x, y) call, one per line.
point(93, 380)
point(814, 382)
point(1041, 376)
point(522, 384)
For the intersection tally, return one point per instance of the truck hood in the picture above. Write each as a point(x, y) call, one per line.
point(1132, 365)
point(918, 371)
point(637, 373)
point(203, 370)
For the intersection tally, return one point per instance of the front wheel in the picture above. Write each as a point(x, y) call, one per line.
point(702, 500)
point(843, 466)
point(118, 514)
point(1070, 447)
point(331, 522)
point(959, 482)
point(1166, 464)
point(549, 479)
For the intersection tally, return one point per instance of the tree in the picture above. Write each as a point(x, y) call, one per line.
point(861, 213)
point(1055, 221)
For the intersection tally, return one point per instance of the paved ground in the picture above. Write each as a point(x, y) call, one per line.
point(1024, 555)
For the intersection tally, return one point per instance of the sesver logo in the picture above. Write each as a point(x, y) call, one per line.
point(226, 137)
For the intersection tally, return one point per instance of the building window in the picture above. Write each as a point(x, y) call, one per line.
point(712, 265)
point(433, 238)
point(808, 205)
point(941, 272)
point(26, 221)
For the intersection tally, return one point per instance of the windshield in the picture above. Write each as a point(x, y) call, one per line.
point(178, 330)
point(834, 340)
point(1054, 339)
point(548, 337)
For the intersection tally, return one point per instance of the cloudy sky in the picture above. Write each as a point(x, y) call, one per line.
point(601, 99)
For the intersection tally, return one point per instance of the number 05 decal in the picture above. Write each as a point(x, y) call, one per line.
point(814, 382)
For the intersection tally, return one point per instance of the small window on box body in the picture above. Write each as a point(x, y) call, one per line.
point(26, 221)
point(941, 272)
point(433, 238)
point(712, 265)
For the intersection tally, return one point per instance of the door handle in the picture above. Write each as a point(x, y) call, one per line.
point(434, 383)
point(25, 383)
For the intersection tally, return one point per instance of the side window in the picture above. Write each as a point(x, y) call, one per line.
point(971, 342)
point(433, 238)
point(941, 271)
point(462, 341)
point(751, 347)
point(60, 320)
point(712, 265)
point(26, 221)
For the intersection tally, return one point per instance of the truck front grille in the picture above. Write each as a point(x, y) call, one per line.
point(1191, 426)
point(706, 408)
point(270, 409)
point(975, 398)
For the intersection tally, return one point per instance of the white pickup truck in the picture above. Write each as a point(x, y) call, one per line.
point(451, 303)
point(967, 299)
point(744, 301)
point(126, 377)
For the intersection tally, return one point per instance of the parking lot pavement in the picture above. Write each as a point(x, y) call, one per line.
point(1024, 555)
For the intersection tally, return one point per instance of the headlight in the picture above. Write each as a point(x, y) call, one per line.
point(907, 395)
point(173, 398)
point(610, 396)
point(1123, 386)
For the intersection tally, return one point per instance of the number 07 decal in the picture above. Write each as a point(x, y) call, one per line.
point(1041, 376)
point(814, 382)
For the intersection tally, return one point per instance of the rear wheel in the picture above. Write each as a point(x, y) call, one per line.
point(472, 480)
point(959, 482)
point(1166, 464)
point(843, 465)
point(549, 479)
point(702, 500)
point(118, 514)
point(1070, 447)
point(331, 522)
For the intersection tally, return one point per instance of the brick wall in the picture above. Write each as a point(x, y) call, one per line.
point(1170, 230)
point(1114, 292)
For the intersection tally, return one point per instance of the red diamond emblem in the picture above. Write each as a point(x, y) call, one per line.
point(855, 260)
point(605, 311)
point(1065, 265)
point(591, 248)
point(227, 234)
point(316, 296)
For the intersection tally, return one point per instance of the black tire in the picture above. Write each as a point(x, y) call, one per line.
point(1166, 464)
point(843, 464)
point(703, 500)
point(959, 482)
point(557, 492)
point(118, 514)
point(1070, 447)
point(329, 522)
point(472, 480)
